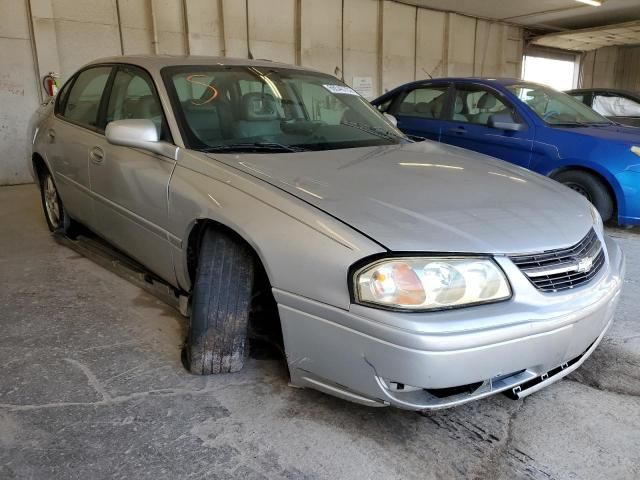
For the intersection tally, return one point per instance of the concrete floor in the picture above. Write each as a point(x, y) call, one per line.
point(92, 387)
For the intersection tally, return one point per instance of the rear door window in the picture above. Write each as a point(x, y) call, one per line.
point(83, 103)
point(423, 102)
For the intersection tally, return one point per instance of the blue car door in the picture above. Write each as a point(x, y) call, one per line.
point(467, 125)
point(418, 109)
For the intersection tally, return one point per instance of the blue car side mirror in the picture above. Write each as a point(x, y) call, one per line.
point(504, 121)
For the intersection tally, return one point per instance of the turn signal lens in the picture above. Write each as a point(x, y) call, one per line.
point(431, 283)
point(398, 281)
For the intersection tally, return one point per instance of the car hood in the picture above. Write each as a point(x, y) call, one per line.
point(421, 197)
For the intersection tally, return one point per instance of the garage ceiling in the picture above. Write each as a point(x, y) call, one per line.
point(592, 38)
point(551, 15)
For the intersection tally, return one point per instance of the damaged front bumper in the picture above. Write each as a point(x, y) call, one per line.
point(443, 359)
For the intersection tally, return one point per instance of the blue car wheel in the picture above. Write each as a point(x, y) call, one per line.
point(590, 187)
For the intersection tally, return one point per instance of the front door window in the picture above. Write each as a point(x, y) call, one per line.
point(476, 104)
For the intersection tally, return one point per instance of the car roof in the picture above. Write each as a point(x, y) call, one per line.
point(602, 89)
point(157, 62)
point(503, 81)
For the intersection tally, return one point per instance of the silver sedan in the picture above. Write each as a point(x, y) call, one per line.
point(403, 273)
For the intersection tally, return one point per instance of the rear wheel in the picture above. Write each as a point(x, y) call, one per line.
point(221, 301)
point(54, 211)
point(590, 187)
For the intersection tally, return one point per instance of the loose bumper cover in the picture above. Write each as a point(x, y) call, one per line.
point(442, 359)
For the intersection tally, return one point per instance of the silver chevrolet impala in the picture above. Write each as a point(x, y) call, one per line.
point(403, 273)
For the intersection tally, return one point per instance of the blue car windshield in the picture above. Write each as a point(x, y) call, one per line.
point(556, 108)
point(267, 109)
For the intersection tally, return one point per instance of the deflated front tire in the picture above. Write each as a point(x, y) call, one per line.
point(217, 339)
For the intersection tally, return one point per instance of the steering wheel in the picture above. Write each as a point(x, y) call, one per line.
point(550, 115)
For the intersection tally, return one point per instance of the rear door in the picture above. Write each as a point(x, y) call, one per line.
point(467, 125)
point(419, 110)
point(130, 185)
point(71, 134)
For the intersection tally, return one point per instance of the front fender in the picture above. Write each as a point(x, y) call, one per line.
point(303, 250)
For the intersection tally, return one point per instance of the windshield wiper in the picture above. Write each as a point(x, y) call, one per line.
point(569, 124)
point(374, 131)
point(582, 124)
point(255, 146)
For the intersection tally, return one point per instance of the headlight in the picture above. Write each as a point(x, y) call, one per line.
point(597, 219)
point(635, 149)
point(430, 283)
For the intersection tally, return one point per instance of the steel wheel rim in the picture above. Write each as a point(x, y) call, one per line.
point(51, 203)
point(579, 189)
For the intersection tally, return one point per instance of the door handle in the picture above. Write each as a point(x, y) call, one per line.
point(96, 154)
point(51, 134)
point(459, 130)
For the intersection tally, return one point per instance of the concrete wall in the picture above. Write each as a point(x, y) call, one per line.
point(18, 90)
point(612, 67)
point(628, 69)
point(385, 41)
point(598, 68)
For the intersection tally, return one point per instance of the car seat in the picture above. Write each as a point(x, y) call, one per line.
point(457, 111)
point(486, 103)
point(259, 116)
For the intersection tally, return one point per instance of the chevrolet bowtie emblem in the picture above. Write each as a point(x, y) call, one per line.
point(584, 265)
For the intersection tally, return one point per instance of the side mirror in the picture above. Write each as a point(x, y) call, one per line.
point(391, 119)
point(139, 133)
point(504, 121)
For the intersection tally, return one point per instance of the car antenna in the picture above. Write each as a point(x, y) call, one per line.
point(428, 74)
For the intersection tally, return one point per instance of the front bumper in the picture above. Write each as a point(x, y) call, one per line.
point(629, 197)
point(441, 359)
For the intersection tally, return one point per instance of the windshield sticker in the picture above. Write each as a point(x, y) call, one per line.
point(340, 89)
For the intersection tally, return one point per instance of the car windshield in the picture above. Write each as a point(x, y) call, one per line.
point(257, 109)
point(556, 108)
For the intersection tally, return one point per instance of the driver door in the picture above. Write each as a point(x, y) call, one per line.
point(130, 185)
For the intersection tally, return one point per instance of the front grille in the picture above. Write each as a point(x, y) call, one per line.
point(563, 269)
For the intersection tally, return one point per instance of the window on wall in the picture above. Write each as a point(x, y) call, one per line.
point(557, 73)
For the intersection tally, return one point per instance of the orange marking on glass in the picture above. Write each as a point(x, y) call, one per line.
point(213, 90)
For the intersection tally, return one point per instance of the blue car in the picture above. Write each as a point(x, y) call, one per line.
point(530, 125)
